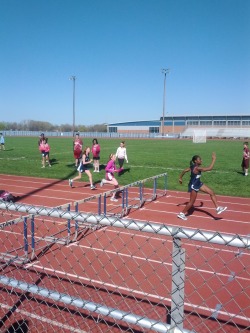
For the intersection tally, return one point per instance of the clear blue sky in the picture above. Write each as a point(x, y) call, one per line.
point(116, 49)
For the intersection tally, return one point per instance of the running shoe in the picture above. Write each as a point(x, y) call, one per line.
point(113, 199)
point(219, 209)
point(70, 182)
point(92, 187)
point(102, 182)
point(182, 216)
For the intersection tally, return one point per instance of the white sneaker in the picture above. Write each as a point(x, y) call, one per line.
point(102, 182)
point(70, 182)
point(113, 199)
point(219, 209)
point(182, 216)
point(92, 187)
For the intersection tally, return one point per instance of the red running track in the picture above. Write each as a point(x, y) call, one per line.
point(52, 193)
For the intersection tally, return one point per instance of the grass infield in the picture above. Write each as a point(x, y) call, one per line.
point(146, 158)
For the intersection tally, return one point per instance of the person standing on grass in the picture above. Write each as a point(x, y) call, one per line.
point(45, 149)
point(40, 141)
point(195, 185)
point(41, 138)
point(83, 167)
point(245, 159)
point(2, 142)
point(121, 154)
point(96, 155)
point(110, 178)
point(77, 149)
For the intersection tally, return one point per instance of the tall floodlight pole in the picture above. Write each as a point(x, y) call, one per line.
point(164, 71)
point(73, 78)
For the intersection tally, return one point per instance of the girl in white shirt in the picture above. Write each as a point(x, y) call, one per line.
point(121, 154)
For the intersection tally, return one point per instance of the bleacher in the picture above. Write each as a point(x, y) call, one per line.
point(218, 132)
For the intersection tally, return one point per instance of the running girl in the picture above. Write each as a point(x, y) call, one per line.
point(83, 167)
point(110, 178)
point(195, 185)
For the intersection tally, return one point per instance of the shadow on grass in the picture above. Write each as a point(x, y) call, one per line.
point(53, 161)
point(123, 171)
point(7, 149)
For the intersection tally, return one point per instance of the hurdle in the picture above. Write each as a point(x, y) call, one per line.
point(126, 203)
point(139, 200)
point(154, 194)
point(9, 257)
point(52, 239)
point(84, 225)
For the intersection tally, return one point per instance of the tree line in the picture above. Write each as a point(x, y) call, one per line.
point(44, 126)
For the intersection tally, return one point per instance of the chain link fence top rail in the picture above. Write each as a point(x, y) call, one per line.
point(118, 275)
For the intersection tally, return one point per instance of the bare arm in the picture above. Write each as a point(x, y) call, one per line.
point(182, 174)
point(210, 167)
point(84, 160)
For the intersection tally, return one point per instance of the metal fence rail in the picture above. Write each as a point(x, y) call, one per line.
point(127, 276)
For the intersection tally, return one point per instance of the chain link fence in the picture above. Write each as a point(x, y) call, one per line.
point(118, 275)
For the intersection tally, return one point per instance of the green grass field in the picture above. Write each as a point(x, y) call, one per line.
point(146, 158)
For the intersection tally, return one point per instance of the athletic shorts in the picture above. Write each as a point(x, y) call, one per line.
point(121, 161)
point(45, 153)
point(245, 163)
point(82, 168)
point(77, 154)
point(109, 176)
point(195, 186)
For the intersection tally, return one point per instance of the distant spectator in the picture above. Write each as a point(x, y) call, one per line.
point(245, 159)
point(121, 154)
point(45, 149)
point(41, 138)
point(2, 142)
point(96, 155)
point(77, 148)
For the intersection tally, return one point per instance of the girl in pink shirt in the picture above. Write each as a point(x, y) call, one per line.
point(96, 154)
point(110, 178)
point(45, 149)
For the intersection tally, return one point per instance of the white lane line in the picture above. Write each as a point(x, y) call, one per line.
point(44, 319)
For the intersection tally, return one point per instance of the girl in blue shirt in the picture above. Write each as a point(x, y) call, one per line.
point(195, 185)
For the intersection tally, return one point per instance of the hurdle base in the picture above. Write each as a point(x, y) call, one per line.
point(9, 258)
point(55, 240)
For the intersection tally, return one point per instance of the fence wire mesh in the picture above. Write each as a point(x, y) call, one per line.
point(66, 271)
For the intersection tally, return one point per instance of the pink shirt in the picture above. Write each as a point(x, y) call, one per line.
point(96, 150)
point(110, 167)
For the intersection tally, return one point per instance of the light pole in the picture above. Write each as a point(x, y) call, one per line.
point(73, 78)
point(164, 71)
